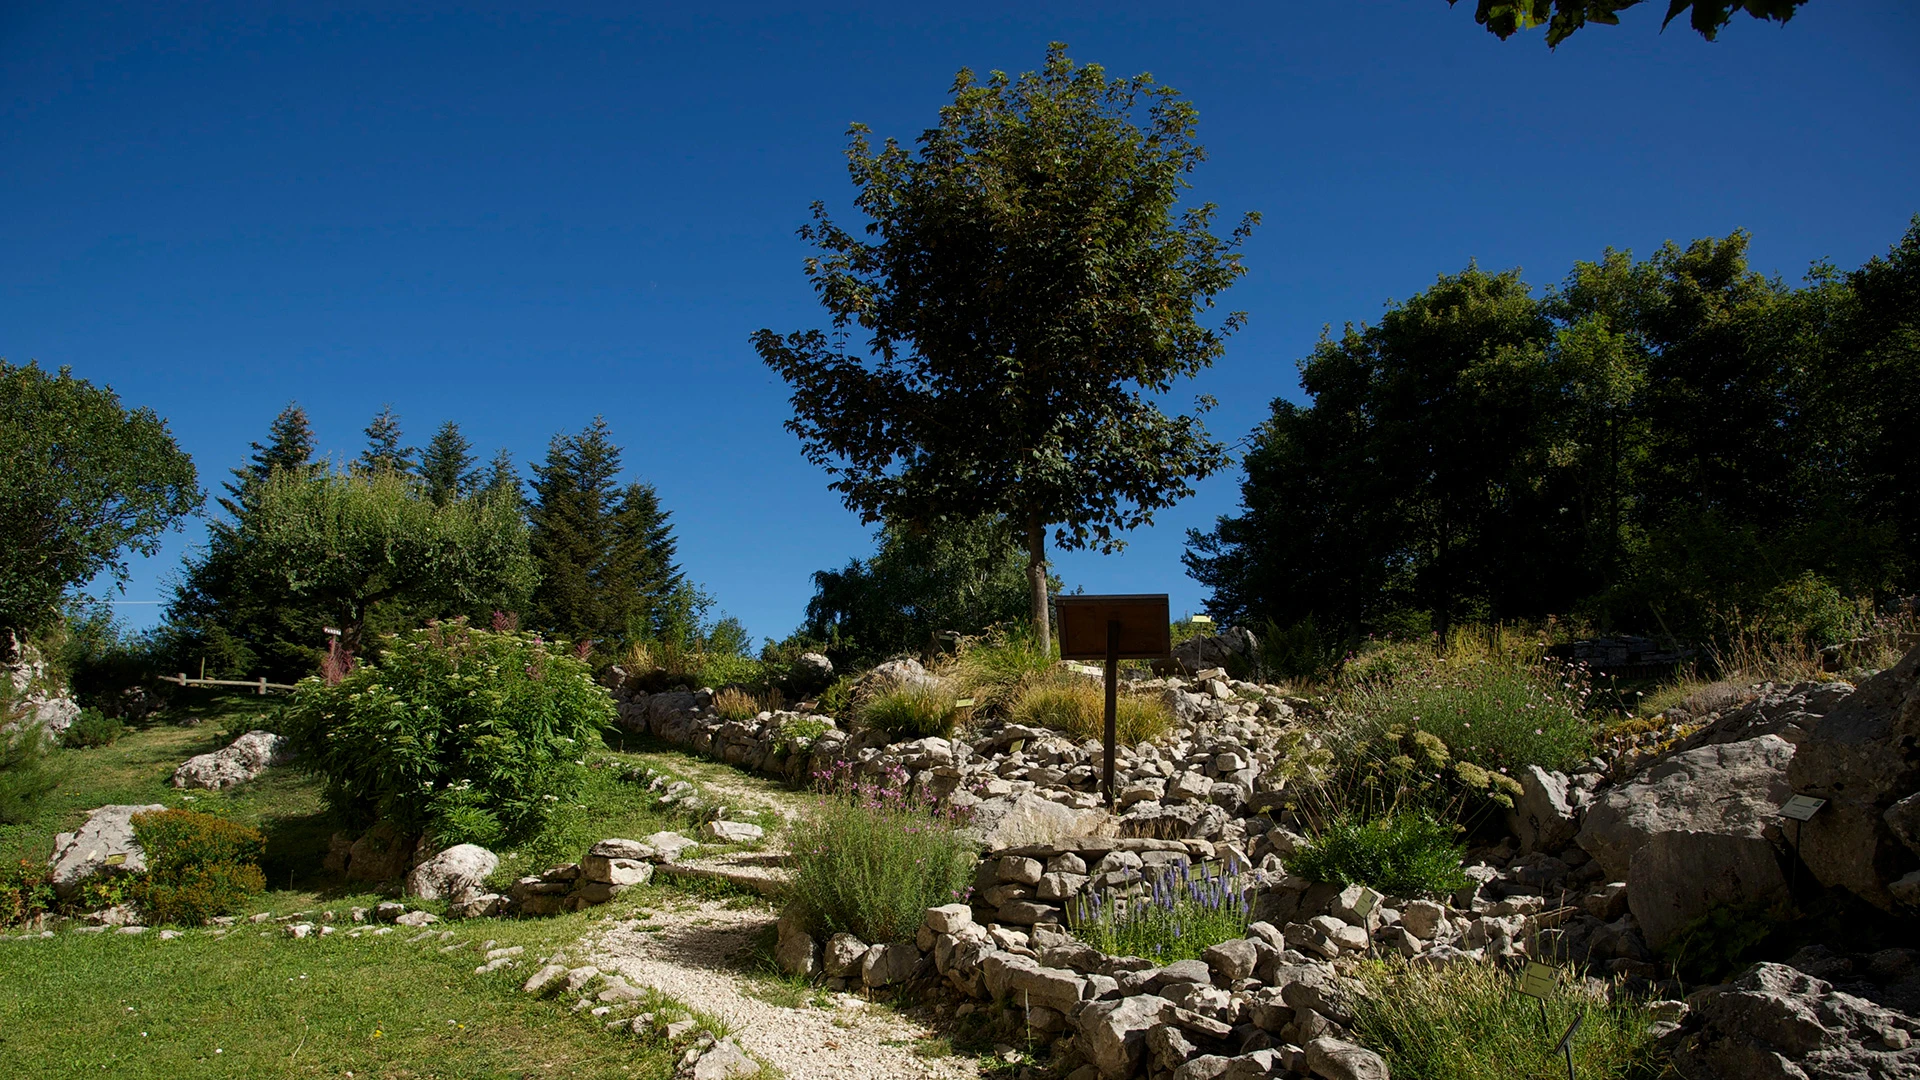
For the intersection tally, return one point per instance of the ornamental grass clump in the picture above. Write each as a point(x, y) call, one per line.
point(872, 856)
point(913, 712)
point(1408, 853)
point(472, 736)
point(1078, 707)
point(1469, 1021)
point(1179, 915)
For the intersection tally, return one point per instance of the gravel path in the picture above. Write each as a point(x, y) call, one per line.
point(692, 950)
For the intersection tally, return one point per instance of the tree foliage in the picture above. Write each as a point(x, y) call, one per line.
point(354, 550)
point(1030, 287)
point(604, 551)
point(384, 452)
point(1504, 18)
point(85, 481)
point(1651, 442)
point(917, 584)
point(446, 465)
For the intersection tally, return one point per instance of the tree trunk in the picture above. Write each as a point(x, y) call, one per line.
point(1037, 580)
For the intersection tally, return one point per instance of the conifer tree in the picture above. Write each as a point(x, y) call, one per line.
point(502, 480)
point(384, 452)
point(447, 465)
point(289, 446)
point(604, 554)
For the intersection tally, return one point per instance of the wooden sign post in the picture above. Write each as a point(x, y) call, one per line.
point(1113, 628)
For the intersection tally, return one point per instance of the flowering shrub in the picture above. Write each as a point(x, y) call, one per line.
point(871, 856)
point(471, 735)
point(198, 866)
point(1179, 916)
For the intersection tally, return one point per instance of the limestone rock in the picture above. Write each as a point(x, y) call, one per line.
point(242, 760)
point(1776, 1022)
point(1861, 759)
point(724, 1060)
point(731, 832)
point(104, 844)
point(452, 874)
point(1543, 816)
point(1015, 821)
point(1114, 1033)
point(796, 951)
point(889, 964)
point(1679, 877)
point(1734, 789)
point(843, 955)
point(1335, 1059)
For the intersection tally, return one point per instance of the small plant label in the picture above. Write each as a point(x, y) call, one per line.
point(115, 860)
point(1201, 619)
point(1363, 907)
point(1802, 807)
point(963, 703)
point(1537, 980)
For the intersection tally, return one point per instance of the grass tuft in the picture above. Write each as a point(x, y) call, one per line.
point(1078, 707)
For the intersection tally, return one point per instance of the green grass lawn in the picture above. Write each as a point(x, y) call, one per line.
point(249, 1005)
point(252, 1005)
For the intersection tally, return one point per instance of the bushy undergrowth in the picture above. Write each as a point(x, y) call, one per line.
point(198, 866)
point(910, 712)
point(26, 890)
point(25, 776)
point(1469, 1021)
point(1078, 707)
point(92, 729)
point(469, 734)
point(869, 858)
point(1181, 915)
point(1496, 712)
point(1408, 853)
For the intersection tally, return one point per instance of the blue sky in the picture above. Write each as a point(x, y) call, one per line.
point(520, 219)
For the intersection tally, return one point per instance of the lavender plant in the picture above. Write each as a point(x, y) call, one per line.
point(874, 853)
point(1179, 914)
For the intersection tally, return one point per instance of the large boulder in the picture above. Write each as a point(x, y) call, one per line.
point(1733, 788)
point(1543, 817)
point(1864, 759)
point(904, 674)
point(454, 874)
point(104, 845)
point(1678, 878)
point(240, 761)
point(1019, 820)
point(1777, 1023)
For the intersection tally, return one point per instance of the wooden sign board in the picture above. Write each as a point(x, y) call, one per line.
point(1802, 807)
point(1145, 630)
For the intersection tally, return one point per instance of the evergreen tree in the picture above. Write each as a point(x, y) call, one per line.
point(501, 480)
point(384, 452)
point(447, 465)
point(605, 554)
point(289, 446)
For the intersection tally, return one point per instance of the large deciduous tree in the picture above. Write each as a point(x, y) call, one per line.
point(1504, 18)
point(1027, 288)
point(84, 481)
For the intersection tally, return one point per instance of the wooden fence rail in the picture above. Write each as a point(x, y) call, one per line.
point(260, 685)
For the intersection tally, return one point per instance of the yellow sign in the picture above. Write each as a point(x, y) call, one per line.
point(1538, 980)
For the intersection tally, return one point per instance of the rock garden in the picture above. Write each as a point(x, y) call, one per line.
point(1442, 865)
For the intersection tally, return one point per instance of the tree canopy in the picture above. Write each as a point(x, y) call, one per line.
point(1651, 442)
point(1030, 288)
point(919, 583)
point(384, 452)
point(85, 480)
point(1504, 18)
point(446, 465)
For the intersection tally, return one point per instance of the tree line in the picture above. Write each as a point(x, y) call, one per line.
point(1655, 443)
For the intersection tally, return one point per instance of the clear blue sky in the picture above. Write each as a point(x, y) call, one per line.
point(519, 220)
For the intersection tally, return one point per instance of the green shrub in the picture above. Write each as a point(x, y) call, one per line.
point(910, 712)
point(1469, 1021)
point(1811, 610)
point(796, 733)
point(25, 778)
point(26, 890)
point(1078, 706)
point(837, 700)
point(869, 859)
point(1179, 917)
point(198, 866)
point(1405, 854)
point(90, 729)
point(457, 731)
